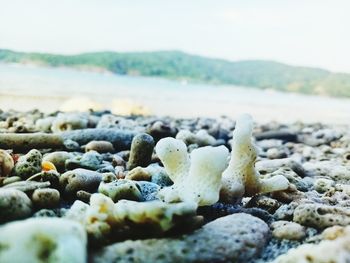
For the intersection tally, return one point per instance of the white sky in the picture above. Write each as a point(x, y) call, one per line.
point(299, 32)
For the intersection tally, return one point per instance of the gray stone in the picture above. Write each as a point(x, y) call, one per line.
point(141, 151)
point(14, 205)
point(79, 179)
point(91, 160)
point(233, 238)
point(28, 164)
point(321, 216)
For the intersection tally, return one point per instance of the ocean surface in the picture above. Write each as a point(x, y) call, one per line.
point(24, 87)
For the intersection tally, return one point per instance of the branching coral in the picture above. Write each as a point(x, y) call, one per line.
point(241, 178)
point(197, 178)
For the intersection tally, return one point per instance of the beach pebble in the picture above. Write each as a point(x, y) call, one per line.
point(27, 186)
point(100, 147)
point(285, 212)
point(323, 185)
point(321, 216)
point(267, 203)
point(14, 205)
point(138, 174)
point(148, 190)
point(159, 130)
point(217, 241)
point(58, 159)
point(121, 189)
point(91, 160)
point(28, 164)
point(43, 240)
point(334, 250)
point(46, 198)
point(287, 230)
point(6, 163)
point(141, 151)
point(79, 179)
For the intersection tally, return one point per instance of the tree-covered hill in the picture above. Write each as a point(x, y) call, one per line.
point(178, 65)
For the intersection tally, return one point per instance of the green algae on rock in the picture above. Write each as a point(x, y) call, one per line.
point(28, 164)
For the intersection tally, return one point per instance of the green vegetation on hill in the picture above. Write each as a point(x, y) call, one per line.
point(179, 65)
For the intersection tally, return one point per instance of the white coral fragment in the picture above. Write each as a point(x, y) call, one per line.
point(103, 216)
point(197, 178)
point(241, 178)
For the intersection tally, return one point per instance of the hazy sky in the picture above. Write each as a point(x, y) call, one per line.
point(300, 32)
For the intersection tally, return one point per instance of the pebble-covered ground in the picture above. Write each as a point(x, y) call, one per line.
point(85, 187)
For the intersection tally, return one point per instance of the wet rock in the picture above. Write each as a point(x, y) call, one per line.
point(14, 205)
point(121, 189)
point(46, 198)
point(217, 241)
point(79, 179)
point(321, 216)
point(287, 230)
point(91, 160)
point(141, 151)
point(58, 159)
point(6, 163)
point(99, 146)
point(43, 240)
point(28, 164)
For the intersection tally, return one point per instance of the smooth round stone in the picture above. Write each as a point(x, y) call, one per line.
point(99, 146)
point(46, 198)
point(79, 179)
point(141, 151)
point(14, 204)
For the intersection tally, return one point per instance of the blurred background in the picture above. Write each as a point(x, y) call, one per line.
point(278, 60)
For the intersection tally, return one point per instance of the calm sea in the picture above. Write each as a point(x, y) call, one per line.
point(27, 87)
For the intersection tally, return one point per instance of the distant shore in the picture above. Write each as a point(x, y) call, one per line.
point(24, 88)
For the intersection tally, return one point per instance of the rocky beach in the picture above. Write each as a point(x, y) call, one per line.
point(99, 187)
